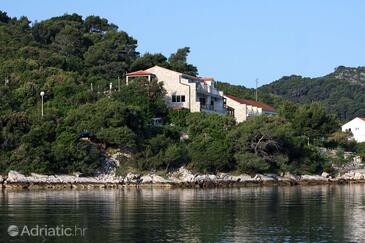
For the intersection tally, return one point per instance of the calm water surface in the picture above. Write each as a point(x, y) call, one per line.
point(260, 214)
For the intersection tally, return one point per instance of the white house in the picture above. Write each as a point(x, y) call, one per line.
point(185, 91)
point(243, 109)
point(357, 128)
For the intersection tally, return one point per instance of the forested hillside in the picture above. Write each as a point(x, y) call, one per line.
point(250, 93)
point(74, 59)
point(341, 92)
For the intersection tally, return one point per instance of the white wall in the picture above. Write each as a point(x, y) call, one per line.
point(357, 127)
point(239, 109)
point(176, 83)
point(172, 85)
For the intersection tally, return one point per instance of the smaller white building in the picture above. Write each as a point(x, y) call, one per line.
point(357, 128)
point(243, 109)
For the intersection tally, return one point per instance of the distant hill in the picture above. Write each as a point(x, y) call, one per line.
point(236, 90)
point(342, 92)
point(249, 93)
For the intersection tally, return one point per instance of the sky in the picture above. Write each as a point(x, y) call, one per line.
point(233, 41)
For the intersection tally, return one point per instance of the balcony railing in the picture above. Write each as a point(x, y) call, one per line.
point(207, 107)
point(209, 89)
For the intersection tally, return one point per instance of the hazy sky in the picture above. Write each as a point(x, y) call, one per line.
point(233, 41)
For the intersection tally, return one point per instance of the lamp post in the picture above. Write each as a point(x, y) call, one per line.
point(42, 94)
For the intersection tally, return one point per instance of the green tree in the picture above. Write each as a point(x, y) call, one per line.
point(149, 60)
point(112, 55)
point(99, 25)
point(251, 163)
point(4, 18)
point(262, 141)
point(178, 62)
point(314, 121)
point(209, 155)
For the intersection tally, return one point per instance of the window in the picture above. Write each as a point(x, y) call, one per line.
point(178, 98)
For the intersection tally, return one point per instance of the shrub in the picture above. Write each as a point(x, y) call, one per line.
point(251, 163)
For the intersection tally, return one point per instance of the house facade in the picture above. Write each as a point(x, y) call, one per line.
point(185, 91)
point(243, 109)
point(357, 128)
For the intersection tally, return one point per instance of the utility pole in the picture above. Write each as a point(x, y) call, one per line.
point(91, 87)
point(257, 83)
point(118, 84)
point(110, 87)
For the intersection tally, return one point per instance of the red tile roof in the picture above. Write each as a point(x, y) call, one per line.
point(139, 73)
point(362, 118)
point(207, 79)
point(251, 102)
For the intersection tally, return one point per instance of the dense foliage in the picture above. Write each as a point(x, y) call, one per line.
point(74, 61)
point(342, 92)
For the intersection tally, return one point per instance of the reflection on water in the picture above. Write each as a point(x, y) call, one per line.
point(258, 214)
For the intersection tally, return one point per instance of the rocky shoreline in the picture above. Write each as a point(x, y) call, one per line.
point(181, 178)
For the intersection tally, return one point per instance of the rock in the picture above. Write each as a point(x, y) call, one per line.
point(325, 175)
point(132, 178)
point(226, 178)
point(147, 179)
point(261, 177)
point(354, 175)
point(160, 180)
point(290, 176)
point(348, 176)
point(155, 179)
point(183, 176)
point(205, 178)
point(265, 179)
point(16, 177)
point(244, 178)
point(110, 179)
point(63, 181)
point(281, 180)
point(77, 174)
point(313, 179)
point(358, 176)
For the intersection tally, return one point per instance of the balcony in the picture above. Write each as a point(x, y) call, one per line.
point(207, 107)
point(209, 90)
